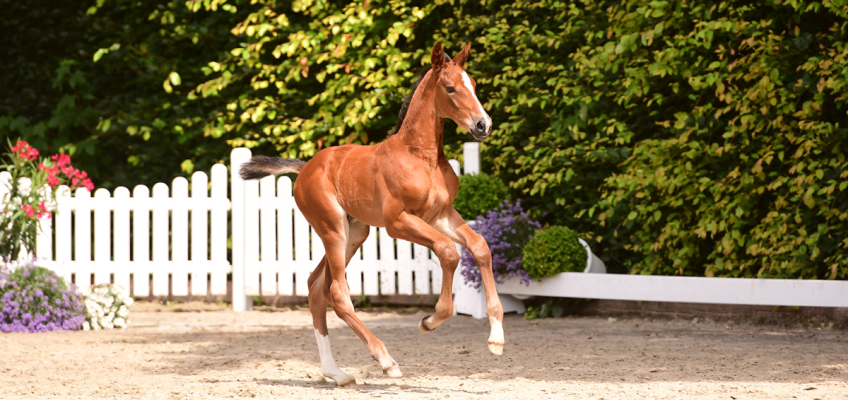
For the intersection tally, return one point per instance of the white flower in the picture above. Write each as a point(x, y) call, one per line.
point(86, 326)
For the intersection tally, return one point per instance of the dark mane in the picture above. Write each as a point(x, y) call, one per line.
point(408, 99)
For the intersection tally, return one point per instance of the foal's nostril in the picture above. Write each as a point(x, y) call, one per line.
point(481, 128)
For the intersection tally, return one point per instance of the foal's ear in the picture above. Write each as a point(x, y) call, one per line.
point(437, 57)
point(462, 56)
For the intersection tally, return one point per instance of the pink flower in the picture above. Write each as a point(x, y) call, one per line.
point(24, 150)
point(53, 181)
point(28, 208)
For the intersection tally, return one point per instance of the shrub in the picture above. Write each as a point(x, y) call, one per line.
point(34, 299)
point(106, 307)
point(554, 250)
point(506, 230)
point(479, 194)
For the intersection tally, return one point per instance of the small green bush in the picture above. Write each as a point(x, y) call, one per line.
point(552, 251)
point(478, 194)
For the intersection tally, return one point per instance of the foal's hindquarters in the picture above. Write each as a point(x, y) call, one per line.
point(342, 236)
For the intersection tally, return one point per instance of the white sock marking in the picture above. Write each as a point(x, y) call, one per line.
point(329, 367)
point(497, 334)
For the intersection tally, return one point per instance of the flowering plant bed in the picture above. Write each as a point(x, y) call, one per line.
point(106, 307)
point(34, 299)
point(506, 230)
point(28, 194)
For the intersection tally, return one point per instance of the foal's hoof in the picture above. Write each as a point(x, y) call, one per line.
point(347, 382)
point(393, 371)
point(496, 348)
point(422, 326)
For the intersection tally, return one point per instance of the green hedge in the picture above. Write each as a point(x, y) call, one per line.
point(687, 138)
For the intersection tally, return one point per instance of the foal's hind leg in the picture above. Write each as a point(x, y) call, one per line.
point(338, 243)
point(318, 308)
point(318, 283)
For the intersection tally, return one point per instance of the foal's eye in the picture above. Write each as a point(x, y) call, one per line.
point(450, 89)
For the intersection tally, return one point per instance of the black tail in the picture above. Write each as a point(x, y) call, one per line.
point(260, 166)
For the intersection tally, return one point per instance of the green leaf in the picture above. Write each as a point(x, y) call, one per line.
point(557, 311)
point(99, 53)
point(174, 77)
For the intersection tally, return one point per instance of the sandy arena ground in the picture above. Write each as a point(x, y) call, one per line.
point(220, 354)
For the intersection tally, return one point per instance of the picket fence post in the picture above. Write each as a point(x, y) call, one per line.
point(237, 189)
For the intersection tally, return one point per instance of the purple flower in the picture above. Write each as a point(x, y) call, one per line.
point(506, 230)
point(34, 299)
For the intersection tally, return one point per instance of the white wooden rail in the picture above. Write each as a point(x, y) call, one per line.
point(768, 292)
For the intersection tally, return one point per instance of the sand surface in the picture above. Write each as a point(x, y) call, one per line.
point(221, 354)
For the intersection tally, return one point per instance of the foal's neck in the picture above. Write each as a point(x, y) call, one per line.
point(422, 129)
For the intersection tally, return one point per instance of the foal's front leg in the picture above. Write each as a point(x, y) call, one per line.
point(409, 227)
point(461, 233)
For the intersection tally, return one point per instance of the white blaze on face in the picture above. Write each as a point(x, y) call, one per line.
point(467, 82)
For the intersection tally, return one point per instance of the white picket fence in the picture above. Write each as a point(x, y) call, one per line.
point(177, 244)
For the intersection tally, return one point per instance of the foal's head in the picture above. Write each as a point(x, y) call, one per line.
point(455, 97)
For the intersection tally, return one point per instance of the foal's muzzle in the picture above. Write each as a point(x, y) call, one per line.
point(482, 127)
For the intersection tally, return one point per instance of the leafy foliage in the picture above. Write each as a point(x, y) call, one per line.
point(506, 230)
point(35, 299)
point(686, 138)
point(545, 309)
point(745, 171)
point(553, 250)
point(106, 82)
point(479, 194)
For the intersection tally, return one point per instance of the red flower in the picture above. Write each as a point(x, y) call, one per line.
point(53, 181)
point(61, 160)
point(28, 208)
point(75, 177)
point(24, 150)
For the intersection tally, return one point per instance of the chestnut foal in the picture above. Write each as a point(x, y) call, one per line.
point(404, 184)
